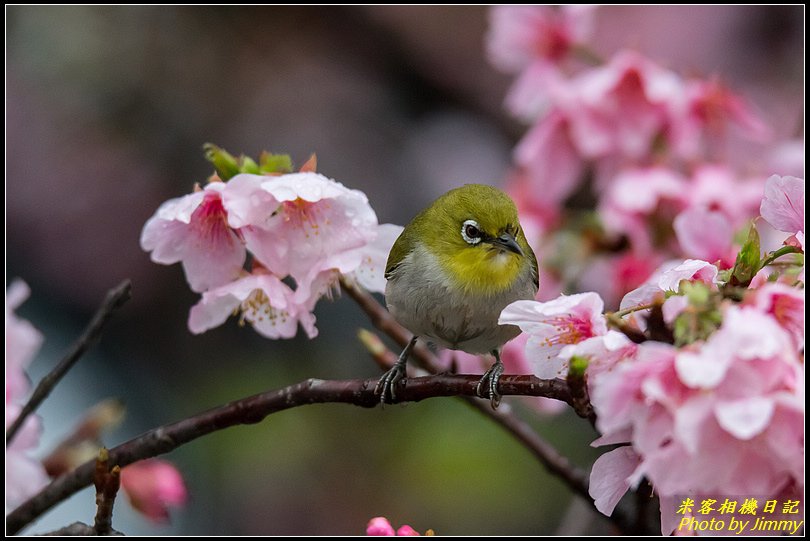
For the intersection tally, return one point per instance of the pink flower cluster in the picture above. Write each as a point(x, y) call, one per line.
point(379, 526)
point(722, 414)
point(25, 475)
point(655, 144)
point(721, 417)
point(300, 229)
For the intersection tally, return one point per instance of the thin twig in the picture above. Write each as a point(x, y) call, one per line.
point(625, 328)
point(621, 313)
point(107, 482)
point(115, 298)
point(78, 528)
point(253, 409)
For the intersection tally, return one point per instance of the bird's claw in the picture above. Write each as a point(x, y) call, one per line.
point(488, 385)
point(385, 385)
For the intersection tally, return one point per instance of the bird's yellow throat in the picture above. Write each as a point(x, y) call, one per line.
point(483, 271)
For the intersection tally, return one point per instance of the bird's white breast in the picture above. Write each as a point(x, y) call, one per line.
point(422, 298)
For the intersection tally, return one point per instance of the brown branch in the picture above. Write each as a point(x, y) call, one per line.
point(115, 298)
point(558, 465)
point(253, 409)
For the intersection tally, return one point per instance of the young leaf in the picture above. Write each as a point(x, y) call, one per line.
point(275, 163)
point(748, 260)
point(225, 165)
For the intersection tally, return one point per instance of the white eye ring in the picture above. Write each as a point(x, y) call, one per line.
point(471, 232)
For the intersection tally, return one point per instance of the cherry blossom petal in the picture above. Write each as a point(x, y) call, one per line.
point(784, 304)
point(247, 203)
point(783, 203)
point(610, 478)
point(319, 225)
point(690, 269)
point(551, 162)
point(25, 477)
point(22, 343)
point(706, 235)
point(194, 230)
point(371, 272)
point(263, 300)
point(745, 418)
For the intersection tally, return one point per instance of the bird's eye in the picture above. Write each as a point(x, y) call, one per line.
point(471, 232)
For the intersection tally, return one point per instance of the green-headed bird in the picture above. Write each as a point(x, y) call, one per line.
point(451, 272)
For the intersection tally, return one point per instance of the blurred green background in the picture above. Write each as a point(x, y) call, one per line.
point(107, 109)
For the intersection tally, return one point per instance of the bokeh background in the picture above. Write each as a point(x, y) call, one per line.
point(106, 112)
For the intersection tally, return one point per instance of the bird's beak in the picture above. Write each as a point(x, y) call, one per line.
point(506, 242)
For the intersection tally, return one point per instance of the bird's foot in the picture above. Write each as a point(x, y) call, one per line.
point(385, 385)
point(488, 384)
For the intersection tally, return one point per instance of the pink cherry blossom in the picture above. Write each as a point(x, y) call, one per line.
point(25, 476)
point(746, 334)
point(521, 35)
point(301, 224)
point(718, 188)
point(613, 276)
point(22, 343)
point(640, 199)
point(552, 325)
point(785, 305)
point(379, 526)
point(406, 530)
point(707, 235)
point(535, 91)
point(602, 351)
point(721, 417)
point(551, 163)
point(622, 107)
point(152, 487)
point(534, 41)
point(668, 278)
point(783, 205)
point(261, 299)
point(194, 230)
point(711, 108)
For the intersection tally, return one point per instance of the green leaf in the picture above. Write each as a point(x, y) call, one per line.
point(247, 165)
point(748, 260)
point(275, 163)
point(724, 276)
point(682, 329)
point(225, 165)
point(698, 293)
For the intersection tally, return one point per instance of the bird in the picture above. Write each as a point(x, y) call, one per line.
point(449, 274)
